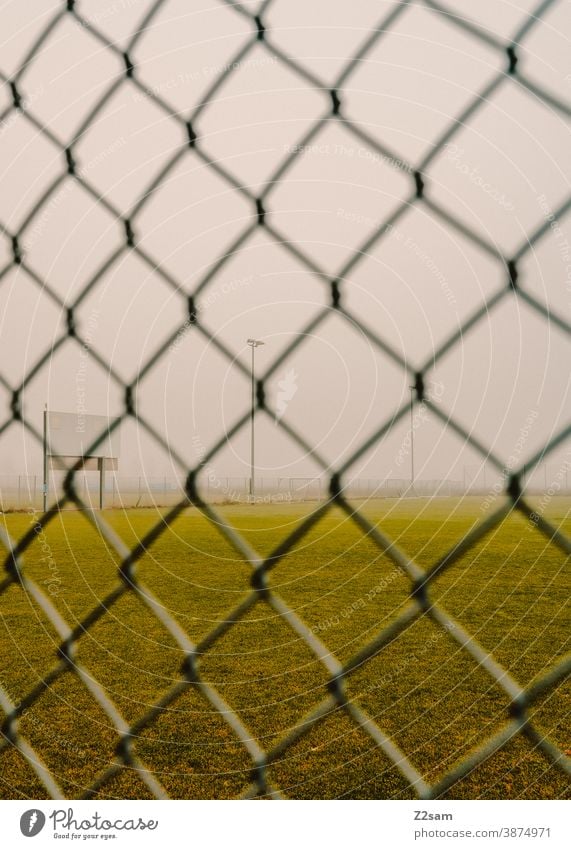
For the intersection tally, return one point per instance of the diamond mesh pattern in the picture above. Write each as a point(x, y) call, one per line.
point(195, 145)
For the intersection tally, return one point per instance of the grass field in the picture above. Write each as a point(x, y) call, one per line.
point(511, 591)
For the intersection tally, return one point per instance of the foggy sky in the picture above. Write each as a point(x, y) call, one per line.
point(503, 173)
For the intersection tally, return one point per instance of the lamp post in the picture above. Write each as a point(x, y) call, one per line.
point(45, 455)
point(412, 390)
point(253, 343)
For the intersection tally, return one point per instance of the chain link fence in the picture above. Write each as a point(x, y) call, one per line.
point(24, 492)
point(521, 698)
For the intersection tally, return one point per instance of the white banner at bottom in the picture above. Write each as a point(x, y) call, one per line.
point(331, 824)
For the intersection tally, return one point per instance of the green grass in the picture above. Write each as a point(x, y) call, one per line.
point(511, 591)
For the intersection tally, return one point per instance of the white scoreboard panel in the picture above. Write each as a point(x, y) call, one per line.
point(71, 435)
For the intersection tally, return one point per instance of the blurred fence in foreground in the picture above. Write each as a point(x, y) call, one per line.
point(68, 665)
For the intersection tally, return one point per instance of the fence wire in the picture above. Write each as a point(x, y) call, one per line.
point(420, 604)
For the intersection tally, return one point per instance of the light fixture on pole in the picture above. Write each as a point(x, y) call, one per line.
point(253, 343)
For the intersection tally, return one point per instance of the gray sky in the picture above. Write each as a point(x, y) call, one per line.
point(503, 173)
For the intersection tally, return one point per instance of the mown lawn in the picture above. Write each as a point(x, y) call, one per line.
point(511, 591)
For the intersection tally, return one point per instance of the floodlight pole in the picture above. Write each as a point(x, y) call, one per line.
point(412, 389)
point(253, 343)
point(45, 487)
